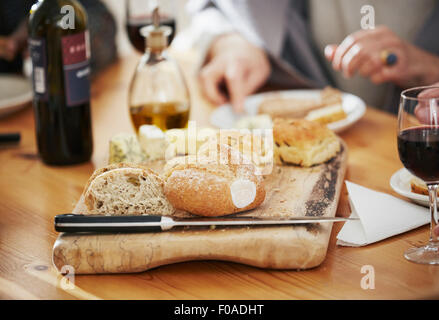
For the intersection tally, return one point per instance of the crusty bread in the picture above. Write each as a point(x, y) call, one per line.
point(184, 141)
point(419, 186)
point(288, 107)
point(214, 188)
point(328, 114)
point(251, 144)
point(111, 167)
point(126, 189)
point(299, 107)
point(330, 96)
point(302, 142)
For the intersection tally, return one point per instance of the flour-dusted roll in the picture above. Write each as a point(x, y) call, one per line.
point(212, 187)
point(126, 189)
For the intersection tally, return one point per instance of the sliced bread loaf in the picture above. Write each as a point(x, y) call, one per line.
point(126, 189)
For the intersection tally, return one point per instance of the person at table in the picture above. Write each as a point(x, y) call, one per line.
point(13, 34)
point(312, 44)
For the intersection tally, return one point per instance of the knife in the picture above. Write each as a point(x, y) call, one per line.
point(10, 138)
point(153, 223)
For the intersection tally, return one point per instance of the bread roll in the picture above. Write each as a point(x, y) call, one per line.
point(212, 187)
point(184, 141)
point(126, 189)
point(327, 114)
point(288, 107)
point(419, 186)
point(253, 145)
point(277, 106)
point(302, 142)
point(330, 96)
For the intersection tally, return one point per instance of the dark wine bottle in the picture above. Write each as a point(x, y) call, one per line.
point(60, 52)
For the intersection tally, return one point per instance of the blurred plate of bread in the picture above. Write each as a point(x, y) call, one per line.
point(409, 186)
point(336, 109)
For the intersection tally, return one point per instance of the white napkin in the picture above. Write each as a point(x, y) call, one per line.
point(381, 216)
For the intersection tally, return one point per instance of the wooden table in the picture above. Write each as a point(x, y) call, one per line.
point(32, 194)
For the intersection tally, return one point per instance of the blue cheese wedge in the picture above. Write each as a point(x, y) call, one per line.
point(153, 142)
point(124, 147)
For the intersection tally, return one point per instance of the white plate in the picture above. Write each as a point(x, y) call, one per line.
point(15, 93)
point(400, 183)
point(224, 118)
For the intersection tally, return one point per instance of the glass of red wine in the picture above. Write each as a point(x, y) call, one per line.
point(418, 147)
point(139, 14)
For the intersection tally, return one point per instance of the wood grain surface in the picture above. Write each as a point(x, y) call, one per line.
point(32, 194)
point(291, 191)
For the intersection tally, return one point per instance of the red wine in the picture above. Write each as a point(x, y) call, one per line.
point(135, 24)
point(61, 84)
point(419, 152)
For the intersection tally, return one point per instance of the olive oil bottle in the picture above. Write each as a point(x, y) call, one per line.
point(158, 92)
point(60, 52)
point(165, 115)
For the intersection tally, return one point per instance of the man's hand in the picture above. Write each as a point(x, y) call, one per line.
point(361, 51)
point(235, 65)
point(426, 107)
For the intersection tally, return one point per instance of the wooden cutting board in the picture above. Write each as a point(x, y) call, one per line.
point(291, 191)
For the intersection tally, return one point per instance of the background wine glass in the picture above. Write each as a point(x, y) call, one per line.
point(418, 147)
point(139, 14)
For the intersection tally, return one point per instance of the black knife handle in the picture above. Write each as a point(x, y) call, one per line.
point(94, 223)
point(13, 137)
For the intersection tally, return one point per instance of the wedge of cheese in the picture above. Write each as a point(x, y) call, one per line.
point(153, 142)
point(124, 147)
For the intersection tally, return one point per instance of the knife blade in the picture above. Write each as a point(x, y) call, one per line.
point(153, 223)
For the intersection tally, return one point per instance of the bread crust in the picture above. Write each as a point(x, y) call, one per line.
point(419, 186)
point(204, 187)
point(128, 170)
point(109, 168)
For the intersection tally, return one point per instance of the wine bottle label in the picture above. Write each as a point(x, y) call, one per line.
point(76, 64)
point(37, 50)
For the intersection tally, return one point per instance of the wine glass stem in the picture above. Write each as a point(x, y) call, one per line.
point(432, 191)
